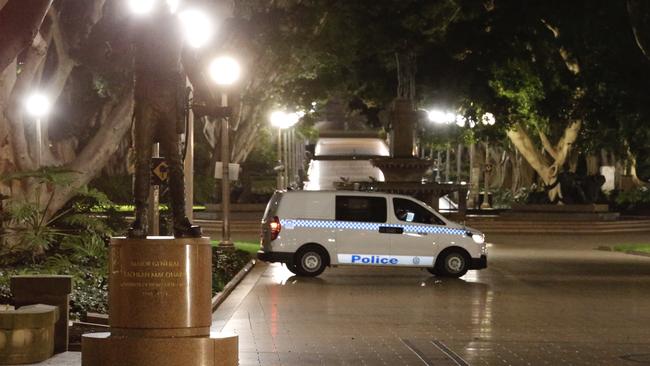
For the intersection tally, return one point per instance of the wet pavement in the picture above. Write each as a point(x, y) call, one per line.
point(544, 300)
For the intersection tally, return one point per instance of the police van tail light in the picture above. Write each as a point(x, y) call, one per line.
point(275, 227)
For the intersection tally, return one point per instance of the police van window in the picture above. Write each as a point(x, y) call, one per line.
point(359, 208)
point(409, 211)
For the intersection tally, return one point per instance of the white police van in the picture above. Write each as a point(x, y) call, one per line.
point(309, 230)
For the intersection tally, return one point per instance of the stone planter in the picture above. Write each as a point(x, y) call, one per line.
point(27, 334)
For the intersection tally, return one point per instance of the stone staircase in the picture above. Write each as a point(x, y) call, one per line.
point(245, 230)
point(495, 225)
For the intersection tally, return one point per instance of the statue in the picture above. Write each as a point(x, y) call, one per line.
point(159, 116)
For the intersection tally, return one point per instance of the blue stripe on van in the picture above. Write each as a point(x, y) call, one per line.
point(355, 225)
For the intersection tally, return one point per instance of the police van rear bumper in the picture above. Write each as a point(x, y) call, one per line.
point(478, 263)
point(282, 257)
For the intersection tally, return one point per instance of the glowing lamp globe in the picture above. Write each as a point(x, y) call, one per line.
point(225, 70)
point(37, 105)
point(197, 27)
point(141, 7)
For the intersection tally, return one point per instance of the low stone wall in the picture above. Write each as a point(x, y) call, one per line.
point(27, 334)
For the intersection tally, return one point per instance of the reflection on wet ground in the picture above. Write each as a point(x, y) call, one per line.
point(543, 300)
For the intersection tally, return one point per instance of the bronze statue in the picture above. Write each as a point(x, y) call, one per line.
point(159, 116)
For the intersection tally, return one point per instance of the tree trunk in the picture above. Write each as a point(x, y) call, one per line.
point(116, 122)
point(13, 113)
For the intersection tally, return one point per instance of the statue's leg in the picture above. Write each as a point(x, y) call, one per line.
point(170, 145)
point(143, 142)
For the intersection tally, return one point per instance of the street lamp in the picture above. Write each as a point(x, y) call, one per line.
point(225, 71)
point(487, 119)
point(38, 106)
point(197, 27)
point(441, 117)
point(141, 7)
point(173, 5)
point(283, 120)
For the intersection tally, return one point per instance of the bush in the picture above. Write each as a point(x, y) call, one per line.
point(74, 242)
point(225, 265)
point(504, 198)
point(637, 199)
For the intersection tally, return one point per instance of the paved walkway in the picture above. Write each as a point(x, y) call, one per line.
point(545, 300)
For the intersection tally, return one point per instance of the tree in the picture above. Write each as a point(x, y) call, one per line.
point(73, 54)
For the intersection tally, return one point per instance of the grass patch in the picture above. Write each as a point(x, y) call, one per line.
point(644, 248)
point(247, 246)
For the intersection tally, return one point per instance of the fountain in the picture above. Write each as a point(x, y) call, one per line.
point(402, 165)
point(404, 172)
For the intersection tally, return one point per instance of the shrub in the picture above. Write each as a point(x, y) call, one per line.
point(504, 198)
point(74, 242)
point(225, 265)
point(633, 200)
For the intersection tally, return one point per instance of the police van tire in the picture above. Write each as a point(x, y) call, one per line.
point(452, 262)
point(292, 267)
point(310, 261)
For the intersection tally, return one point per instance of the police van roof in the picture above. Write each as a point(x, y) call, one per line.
point(345, 193)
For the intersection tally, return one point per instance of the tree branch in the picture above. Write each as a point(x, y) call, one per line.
point(563, 147)
point(519, 137)
point(570, 61)
point(547, 144)
point(640, 23)
point(20, 21)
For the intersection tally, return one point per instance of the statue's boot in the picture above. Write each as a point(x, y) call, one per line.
point(183, 228)
point(139, 229)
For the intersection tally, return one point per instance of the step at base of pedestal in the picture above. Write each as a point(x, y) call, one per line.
point(102, 349)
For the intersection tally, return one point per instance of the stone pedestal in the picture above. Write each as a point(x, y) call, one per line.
point(160, 307)
point(49, 290)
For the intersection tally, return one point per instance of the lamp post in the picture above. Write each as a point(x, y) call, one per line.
point(225, 71)
point(487, 120)
point(282, 121)
point(440, 117)
point(38, 106)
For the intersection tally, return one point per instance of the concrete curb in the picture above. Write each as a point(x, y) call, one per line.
point(232, 284)
point(634, 252)
point(631, 252)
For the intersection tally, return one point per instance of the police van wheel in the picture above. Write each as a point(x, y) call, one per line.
point(452, 263)
point(310, 261)
point(293, 268)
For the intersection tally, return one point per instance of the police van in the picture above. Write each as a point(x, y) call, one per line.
point(310, 230)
